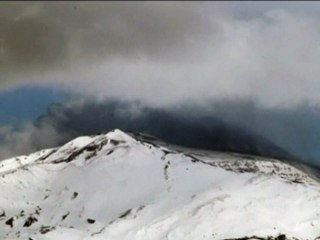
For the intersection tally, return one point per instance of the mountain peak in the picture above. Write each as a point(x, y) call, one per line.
point(119, 135)
point(117, 186)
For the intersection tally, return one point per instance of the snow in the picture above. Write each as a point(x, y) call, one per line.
point(116, 187)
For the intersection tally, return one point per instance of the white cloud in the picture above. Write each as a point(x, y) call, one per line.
point(169, 53)
point(28, 139)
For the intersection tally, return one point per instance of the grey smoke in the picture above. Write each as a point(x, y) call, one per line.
point(27, 139)
point(237, 126)
point(254, 69)
point(40, 38)
point(164, 53)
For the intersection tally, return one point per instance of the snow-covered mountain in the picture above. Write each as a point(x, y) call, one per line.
point(119, 187)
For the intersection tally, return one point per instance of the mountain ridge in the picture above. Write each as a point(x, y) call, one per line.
point(114, 186)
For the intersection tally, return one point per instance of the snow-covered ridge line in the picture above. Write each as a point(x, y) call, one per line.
point(268, 167)
point(64, 153)
point(240, 163)
point(114, 186)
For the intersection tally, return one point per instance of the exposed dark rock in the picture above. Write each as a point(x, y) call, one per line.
point(74, 195)
point(65, 216)
point(111, 151)
point(3, 214)
point(115, 142)
point(30, 220)
point(90, 148)
point(45, 229)
point(91, 221)
point(37, 211)
point(280, 237)
point(9, 222)
point(126, 213)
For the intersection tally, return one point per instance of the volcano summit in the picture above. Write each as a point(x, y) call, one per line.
point(118, 186)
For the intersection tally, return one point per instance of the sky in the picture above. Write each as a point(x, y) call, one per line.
point(253, 65)
point(26, 103)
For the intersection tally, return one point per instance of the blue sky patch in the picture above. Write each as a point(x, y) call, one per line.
point(26, 103)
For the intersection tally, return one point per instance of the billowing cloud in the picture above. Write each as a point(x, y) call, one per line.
point(28, 139)
point(255, 69)
point(65, 122)
point(40, 38)
point(164, 53)
point(238, 126)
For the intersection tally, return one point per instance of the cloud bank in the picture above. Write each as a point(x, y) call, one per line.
point(236, 126)
point(164, 53)
point(64, 122)
point(252, 66)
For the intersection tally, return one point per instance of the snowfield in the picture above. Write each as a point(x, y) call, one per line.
point(116, 187)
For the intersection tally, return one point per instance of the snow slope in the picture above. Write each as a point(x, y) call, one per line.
point(117, 187)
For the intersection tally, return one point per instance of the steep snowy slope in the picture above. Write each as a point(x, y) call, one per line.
point(119, 188)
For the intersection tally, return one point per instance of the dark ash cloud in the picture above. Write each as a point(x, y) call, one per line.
point(240, 126)
point(236, 126)
point(187, 126)
point(194, 65)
